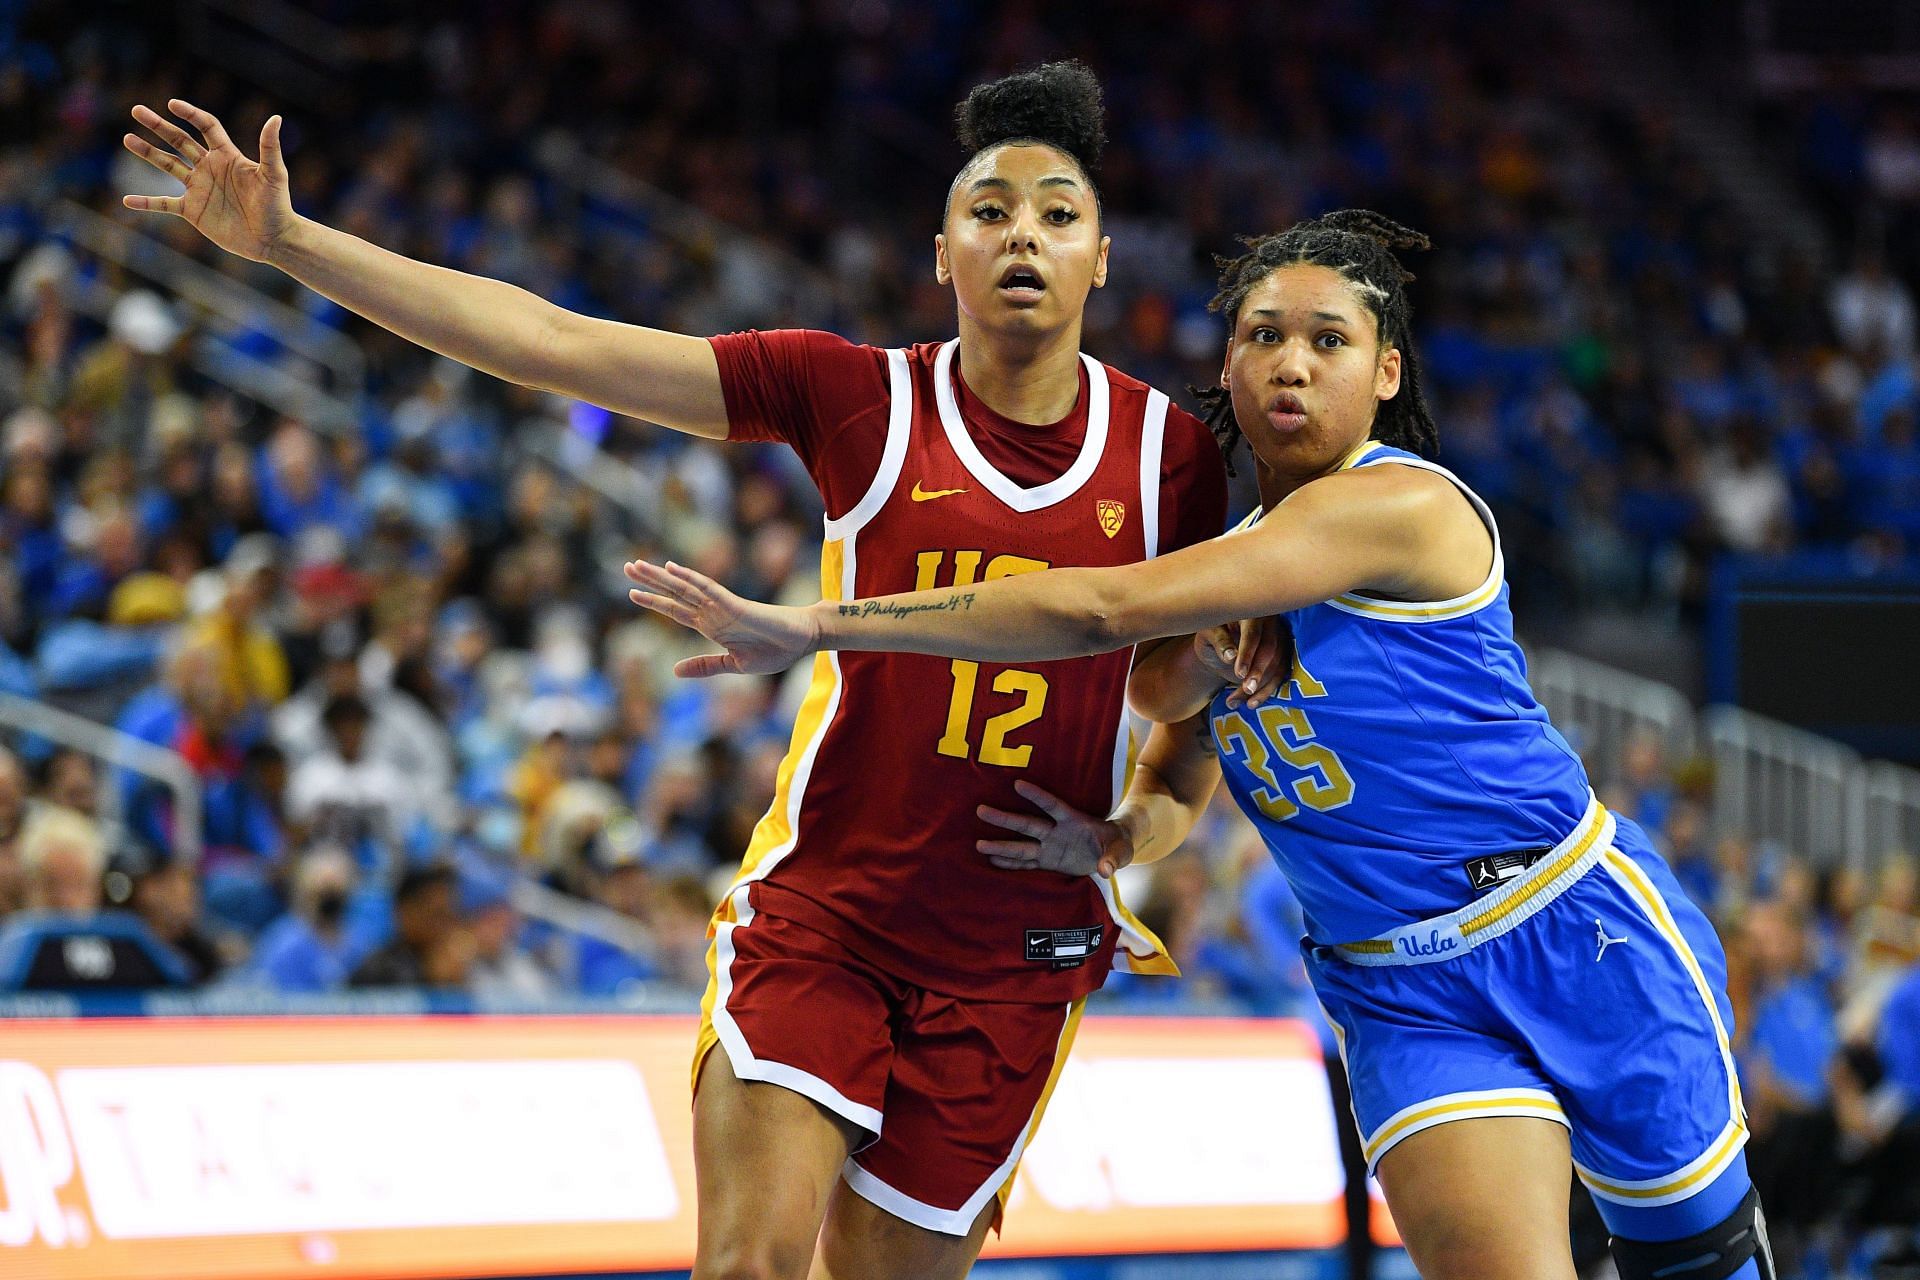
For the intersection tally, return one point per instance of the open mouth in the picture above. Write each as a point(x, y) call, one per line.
point(1022, 283)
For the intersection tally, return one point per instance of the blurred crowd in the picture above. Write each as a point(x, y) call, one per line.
point(434, 747)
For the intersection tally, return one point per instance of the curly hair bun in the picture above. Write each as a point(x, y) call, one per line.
point(1057, 103)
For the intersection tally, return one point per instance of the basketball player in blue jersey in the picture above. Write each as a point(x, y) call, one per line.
point(1520, 989)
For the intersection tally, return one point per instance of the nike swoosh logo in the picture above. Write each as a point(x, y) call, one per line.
point(923, 495)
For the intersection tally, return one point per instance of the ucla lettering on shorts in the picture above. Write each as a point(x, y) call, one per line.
point(1485, 938)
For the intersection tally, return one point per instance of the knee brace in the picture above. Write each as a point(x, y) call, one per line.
point(1713, 1254)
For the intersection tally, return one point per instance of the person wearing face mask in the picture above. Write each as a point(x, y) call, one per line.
point(862, 905)
point(309, 948)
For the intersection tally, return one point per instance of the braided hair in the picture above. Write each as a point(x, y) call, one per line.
point(1057, 104)
point(1360, 245)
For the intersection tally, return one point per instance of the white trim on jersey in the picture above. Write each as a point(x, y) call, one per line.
point(844, 531)
point(1430, 610)
point(746, 1065)
point(998, 485)
point(892, 456)
point(1153, 437)
point(952, 1222)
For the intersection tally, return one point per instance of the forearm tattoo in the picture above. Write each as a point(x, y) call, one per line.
point(959, 601)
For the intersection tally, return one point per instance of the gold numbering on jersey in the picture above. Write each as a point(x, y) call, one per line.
point(1030, 685)
point(1322, 782)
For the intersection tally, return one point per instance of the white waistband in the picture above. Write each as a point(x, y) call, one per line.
point(1452, 935)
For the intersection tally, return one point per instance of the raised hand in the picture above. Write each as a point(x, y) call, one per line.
point(758, 638)
point(1058, 838)
point(240, 205)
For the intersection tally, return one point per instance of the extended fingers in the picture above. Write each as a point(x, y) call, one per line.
point(205, 121)
point(1053, 806)
point(1027, 824)
point(170, 133)
point(155, 204)
point(672, 580)
point(667, 607)
point(159, 157)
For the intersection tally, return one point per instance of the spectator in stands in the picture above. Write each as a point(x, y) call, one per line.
point(682, 908)
point(1887, 930)
point(502, 969)
point(70, 779)
point(298, 490)
point(165, 894)
point(1744, 491)
point(1787, 1042)
point(342, 794)
point(14, 791)
point(246, 836)
point(430, 946)
point(309, 949)
point(622, 884)
point(1877, 1101)
point(235, 630)
point(1872, 309)
point(76, 944)
point(63, 859)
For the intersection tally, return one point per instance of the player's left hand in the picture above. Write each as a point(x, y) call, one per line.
point(758, 638)
point(1254, 655)
point(1058, 838)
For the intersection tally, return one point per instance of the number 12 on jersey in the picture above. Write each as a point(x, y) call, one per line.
point(1030, 686)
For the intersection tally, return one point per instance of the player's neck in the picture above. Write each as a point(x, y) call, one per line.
point(1033, 379)
point(1275, 486)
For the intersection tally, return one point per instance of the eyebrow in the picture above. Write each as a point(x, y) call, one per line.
point(1331, 317)
point(1001, 184)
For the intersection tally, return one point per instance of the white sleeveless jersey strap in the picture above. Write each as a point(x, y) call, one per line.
point(892, 457)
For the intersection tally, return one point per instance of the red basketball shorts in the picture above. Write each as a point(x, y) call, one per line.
point(947, 1091)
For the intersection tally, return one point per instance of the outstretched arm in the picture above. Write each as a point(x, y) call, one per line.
point(244, 207)
point(1371, 530)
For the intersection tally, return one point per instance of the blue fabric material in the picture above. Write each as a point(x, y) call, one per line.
point(1620, 1038)
point(1399, 750)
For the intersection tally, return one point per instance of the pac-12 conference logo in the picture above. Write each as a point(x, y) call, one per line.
point(1112, 513)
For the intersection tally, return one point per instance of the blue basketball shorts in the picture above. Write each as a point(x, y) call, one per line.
point(1589, 992)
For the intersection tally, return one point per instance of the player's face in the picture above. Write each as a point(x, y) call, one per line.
point(1306, 370)
point(1022, 243)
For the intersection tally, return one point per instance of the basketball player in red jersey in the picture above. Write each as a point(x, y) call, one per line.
point(891, 1010)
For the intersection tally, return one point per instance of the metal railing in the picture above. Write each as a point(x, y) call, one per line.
point(1605, 708)
point(1891, 810)
point(1781, 783)
point(564, 911)
point(199, 285)
point(121, 750)
point(292, 391)
point(1816, 797)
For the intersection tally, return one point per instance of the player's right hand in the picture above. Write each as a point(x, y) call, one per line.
point(241, 205)
point(758, 638)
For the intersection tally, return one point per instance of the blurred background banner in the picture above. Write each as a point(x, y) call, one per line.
point(209, 1149)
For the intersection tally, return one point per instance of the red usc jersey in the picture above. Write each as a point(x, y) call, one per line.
point(870, 837)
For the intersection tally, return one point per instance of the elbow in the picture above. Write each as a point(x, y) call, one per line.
point(1106, 619)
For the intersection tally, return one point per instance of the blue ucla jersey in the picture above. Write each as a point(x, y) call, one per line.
point(1407, 745)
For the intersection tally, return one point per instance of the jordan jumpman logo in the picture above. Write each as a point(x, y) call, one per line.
point(1605, 941)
